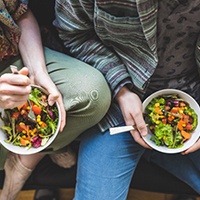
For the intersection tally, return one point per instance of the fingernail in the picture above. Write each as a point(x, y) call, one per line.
point(50, 102)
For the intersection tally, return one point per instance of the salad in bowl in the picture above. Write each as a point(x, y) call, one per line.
point(173, 120)
point(22, 135)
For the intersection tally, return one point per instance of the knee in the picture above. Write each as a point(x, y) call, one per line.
point(90, 97)
point(99, 97)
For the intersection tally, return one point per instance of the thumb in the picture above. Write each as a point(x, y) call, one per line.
point(51, 99)
point(24, 71)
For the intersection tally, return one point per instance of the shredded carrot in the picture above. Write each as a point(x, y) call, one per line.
point(15, 115)
point(24, 106)
point(24, 142)
point(43, 124)
point(157, 110)
point(19, 107)
point(174, 110)
point(185, 134)
point(180, 125)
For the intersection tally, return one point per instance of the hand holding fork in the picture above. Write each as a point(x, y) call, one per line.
point(31, 114)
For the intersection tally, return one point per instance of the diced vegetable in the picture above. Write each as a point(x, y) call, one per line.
point(23, 132)
point(36, 109)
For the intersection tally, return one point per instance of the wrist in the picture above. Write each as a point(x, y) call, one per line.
point(123, 91)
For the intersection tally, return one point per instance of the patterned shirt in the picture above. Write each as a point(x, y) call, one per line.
point(178, 30)
point(10, 12)
point(123, 40)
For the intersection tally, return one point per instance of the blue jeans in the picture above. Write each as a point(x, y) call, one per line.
point(106, 165)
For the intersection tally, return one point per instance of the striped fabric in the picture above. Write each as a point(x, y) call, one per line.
point(108, 35)
point(118, 37)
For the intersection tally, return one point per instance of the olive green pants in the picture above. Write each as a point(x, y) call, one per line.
point(86, 95)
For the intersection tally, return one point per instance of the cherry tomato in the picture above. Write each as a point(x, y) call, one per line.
point(36, 109)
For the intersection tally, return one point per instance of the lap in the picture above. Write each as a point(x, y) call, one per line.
point(86, 95)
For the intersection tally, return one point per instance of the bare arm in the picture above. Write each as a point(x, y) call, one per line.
point(32, 54)
point(30, 46)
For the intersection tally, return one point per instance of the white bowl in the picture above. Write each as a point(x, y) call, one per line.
point(25, 150)
point(195, 134)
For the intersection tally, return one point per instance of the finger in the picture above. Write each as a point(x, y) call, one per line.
point(57, 98)
point(194, 147)
point(137, 137)
point(12, 90)
point(15, 79)
point(12, 101)
point(63, 114)
point(63, 118)
point(140, 124)
point(53, 97)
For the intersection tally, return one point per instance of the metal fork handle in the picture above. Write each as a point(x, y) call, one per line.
point(14, 69)
point(120, 129)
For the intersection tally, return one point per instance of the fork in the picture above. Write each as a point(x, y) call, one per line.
point(31, 114)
